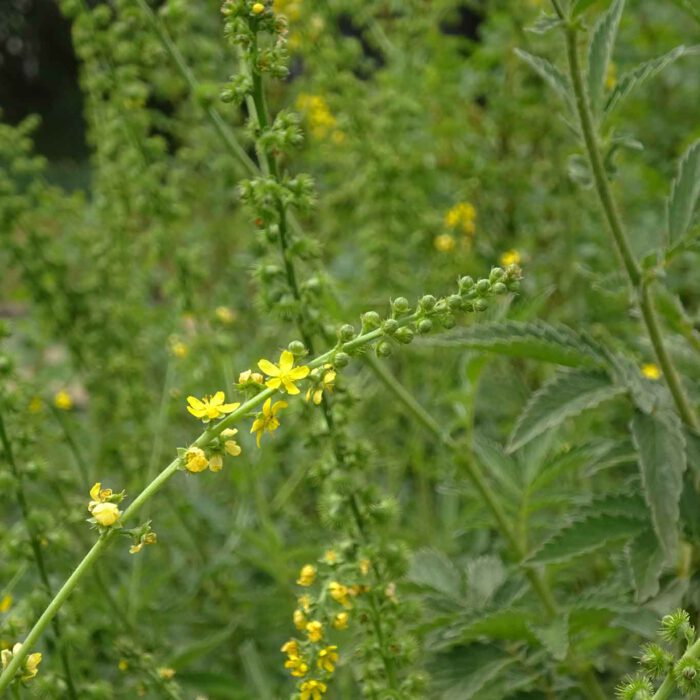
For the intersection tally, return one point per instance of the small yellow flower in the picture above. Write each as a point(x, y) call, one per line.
point(250, 377)
point(63, 401)
point(258, 8)
point(461, 216)
point(216, 462)
point(312, 690)
point(31, 663)
point(123, 665)
point(106, 514)
point(267, 420)
point(307, 575)
point(195, 460)
point(340, 621)
point(364, 566)
point(297, 666)
point(285, 375)
point(328, 658)
point(340, 593)
point(179, 349)
point(330, 556)
point(651, 371)
point(299, 619)
point(148, 538)
point(5, 603)
point(36, 405)
point(326, 383)
point(225, 315)
point(304, 602)
point(290, 648)
point(322, 123)
point(510, 257)
point(314, 631)
point(209, 408)
point(166, 673)
point(230, 445)
point(444, 243)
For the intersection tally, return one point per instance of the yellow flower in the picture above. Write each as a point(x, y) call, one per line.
point(35, 405)
point(364, 566)
point(307, 575)
point(267, 420)
point(209, 408)
point(314, 631)
point(340, 621)
point(179, 349)
point(651, 371)
point(195, 460)
point(63, 401)
point(225, 315)
point(148, 538)
point(340, 593)
point(230, 445)
point(330, 556)
point(510, 257)
point(123, 665)
point(297, 666)
point(461, 215)
point(328, 658)
point(250, 377)
point(258, 8)
point(290, 648)
point(299, 619)
point(216, 462)
point(5, 603)
point(166, 673)
point(31, 666)
point(312, 690)
point(326, 383)
point(285, 375)
point(304, 602)
point(106, 514)
point(444, 243)
point(321, 120)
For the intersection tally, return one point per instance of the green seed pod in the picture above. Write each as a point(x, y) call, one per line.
point(425, 326)
point(400, 305)
point(496, 274)
point(384, 349)
point(346, 333)
point(404, 335)
point(465, 284)
point(390, 326)
point(454, 302)
point(428, 302)
point(480, 305)
point(296, 347)
point(341, 359)
point(499, 288)
point(483, 287)
point(370, 321)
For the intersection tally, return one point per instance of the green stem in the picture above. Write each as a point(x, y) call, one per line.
point(622, 244)
point(667, 687)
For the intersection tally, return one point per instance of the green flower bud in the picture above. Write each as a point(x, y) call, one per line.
point(465, 284)
point(499, 288)
point(341, 359)
point(496, 274)
point(370, 321)
point(404, 335)
point(454, 302)
point(389, 326)
point(480, 305)
point(428, 302)
point(425, 326)
point(346, 333)
point(400, 305)
point(448, 321)
point(296, 347)
point(483, 287)
point(384, 349)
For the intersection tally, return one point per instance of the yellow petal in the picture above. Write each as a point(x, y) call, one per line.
point(279, 405)
point(228, 407)
point(197, 412)
point(195, 402)
point(318, 396)
point(266, 407)
point(286, 361)
point(290, 386)
point(217, 399)
point(258, 425)
point(273, 383)
point(95, 491)
point(299, 372)
point(269, 369)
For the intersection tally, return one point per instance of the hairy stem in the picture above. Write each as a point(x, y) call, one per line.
point(666, 689)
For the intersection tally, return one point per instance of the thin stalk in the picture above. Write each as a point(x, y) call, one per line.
point(72, 444)
point(35, 544)
point(620, 238)
point(668, 686)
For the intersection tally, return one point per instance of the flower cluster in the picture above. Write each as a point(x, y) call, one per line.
point(31, 664)
point(322, 123)
point(459, 218)
point(103, 505)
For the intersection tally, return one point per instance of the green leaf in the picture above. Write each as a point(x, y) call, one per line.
point(581, 6)
point(584, 536)
point(433, 569)
point(544, 23)
point(628, 81)
point(685, 191)
point(646, 560)
point(536, 340)
point(568, 394)
point(549, 73)
point(600, 50)
point(554, 637)
point(660, 443)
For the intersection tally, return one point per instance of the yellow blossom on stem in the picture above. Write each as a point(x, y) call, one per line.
point(209, 408)
point(461, 216)
point(326, 383)
point(304, 602)
point(258, 8)
point(106, 514)
point(31, 663)
point(314, 631)
point(510, 257)
point(267, 420)
point(290, 648)
point(195, 460)
point(651, 371)
point(179, 349)
point(299, 619)
point(297, 666)
point(225, 315)
point(364, 566)
point(312, 690)
point(340, 621)
point(307, 575)
point(63, 401)
point(250, 377)
point(328, 658)
point(5, 603)
point(330, 556)
point(123, 665)
point(340, 593)
point(166, 673)
point(216, 462)
point(444, 243)
point(284, 375)
point(230, 445)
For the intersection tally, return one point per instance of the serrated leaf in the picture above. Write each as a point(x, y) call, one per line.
point(644, 392)
point(485, 575)
point(544, 23)
point(585, 536)
point(646, 560)
point(628, 81)
point(600, 50)
point(549, 73)
point(558, 344)
point(433, 569)
point(685, 191)
point(568, 394)
point(554, 637)
point(660, 443)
